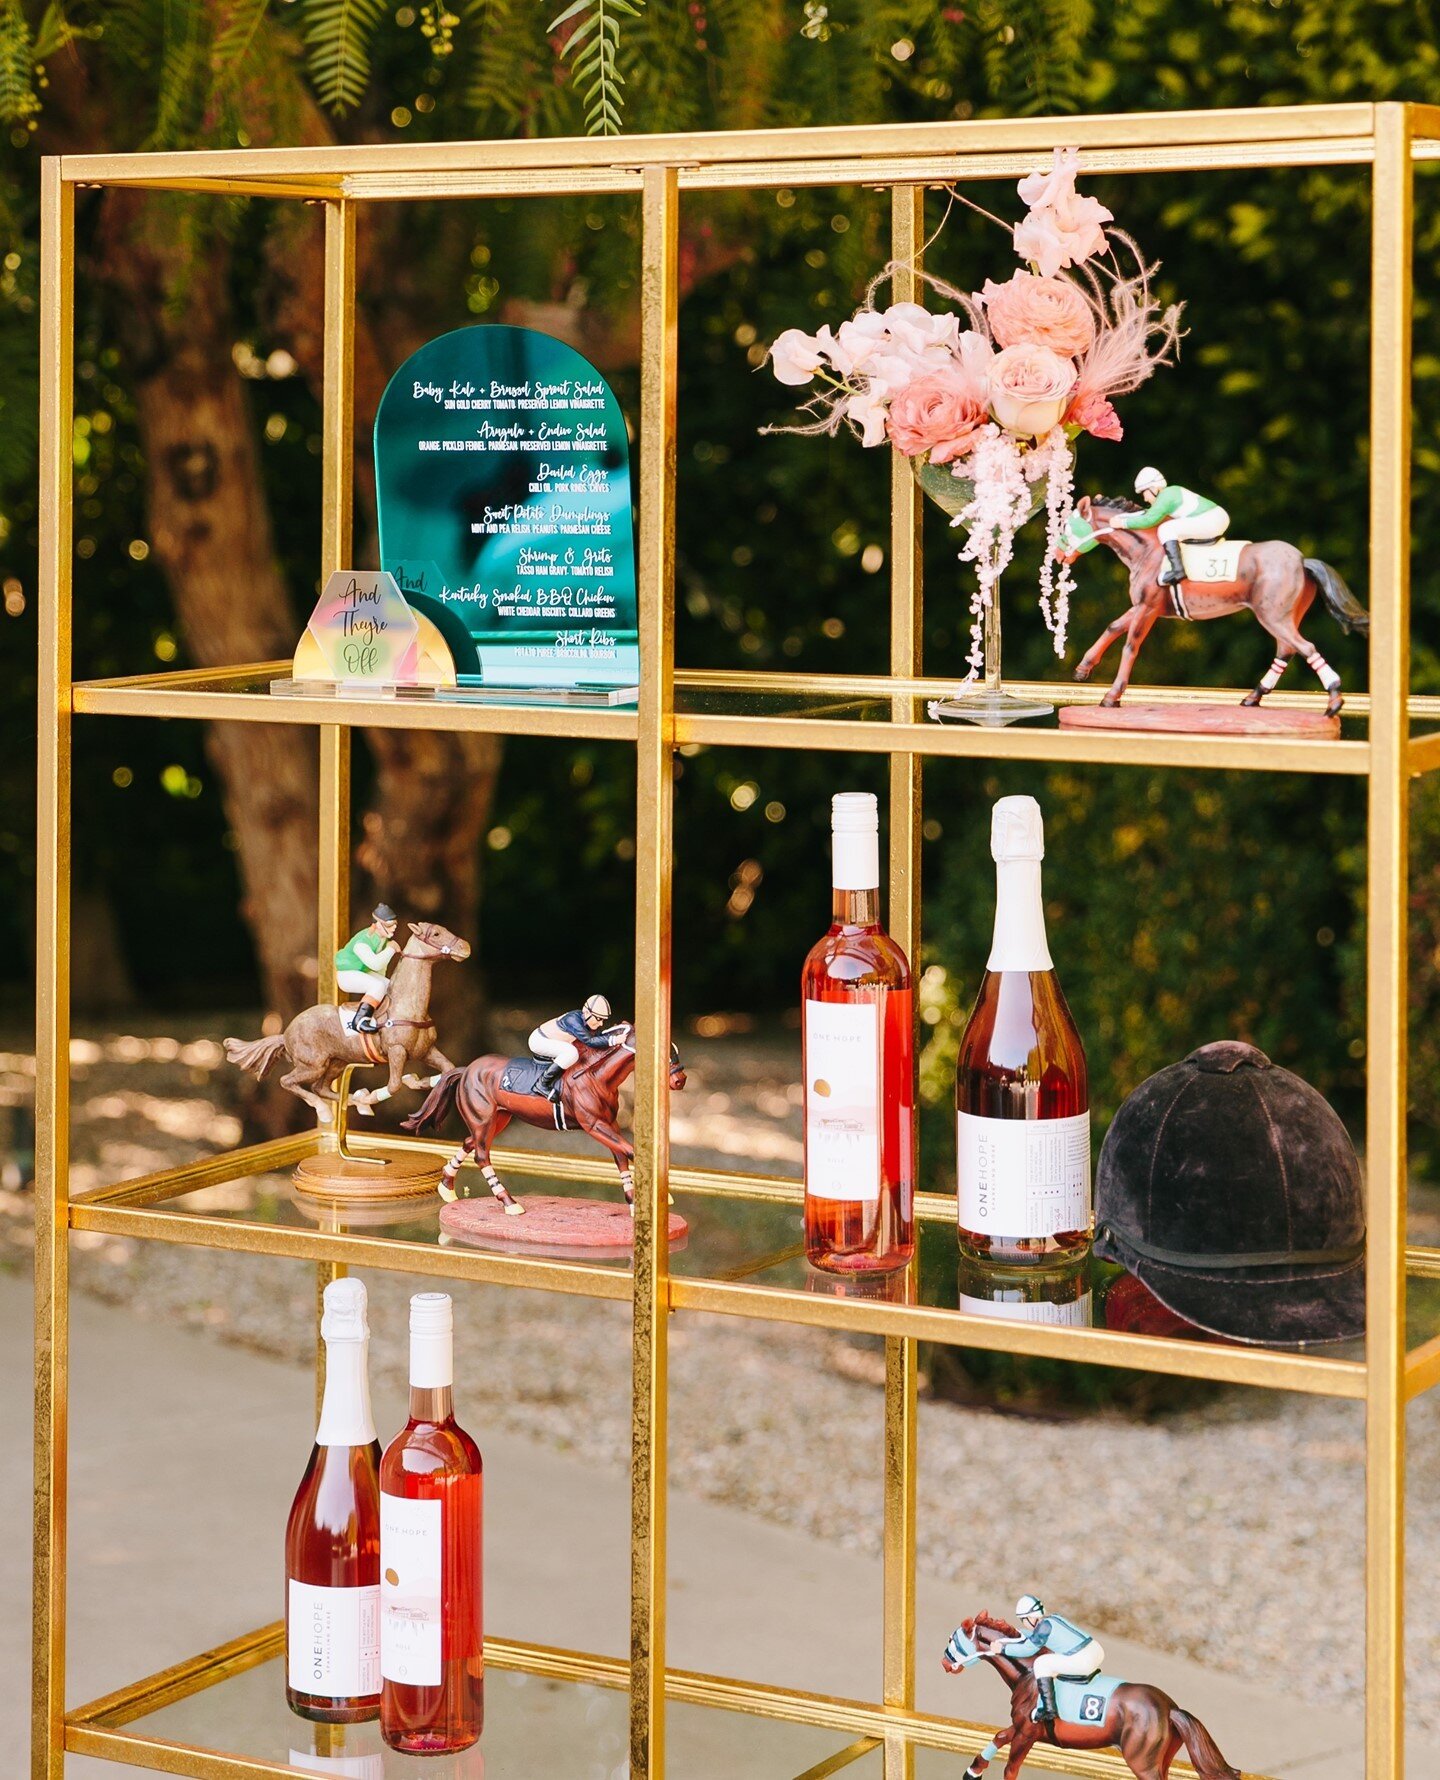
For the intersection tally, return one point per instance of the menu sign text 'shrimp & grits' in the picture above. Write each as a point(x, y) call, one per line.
point(503, 478)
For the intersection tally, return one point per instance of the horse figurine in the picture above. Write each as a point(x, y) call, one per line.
point(320, 1044)
point(1273, 579)
point(492, 1090)
point(1145, 1725)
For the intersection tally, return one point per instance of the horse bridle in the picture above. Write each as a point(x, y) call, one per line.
point(435, 951)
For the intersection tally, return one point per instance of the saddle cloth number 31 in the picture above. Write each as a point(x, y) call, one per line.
point(1219, 561)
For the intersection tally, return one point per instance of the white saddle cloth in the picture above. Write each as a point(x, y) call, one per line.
point(1217, 561)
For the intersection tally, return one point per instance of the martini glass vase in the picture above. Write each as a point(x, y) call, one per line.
point(982, 700)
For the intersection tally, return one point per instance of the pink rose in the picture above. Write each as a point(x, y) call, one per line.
point(1030, 388)
point(1094, 415)
point(1047, 311)
point(942, 413)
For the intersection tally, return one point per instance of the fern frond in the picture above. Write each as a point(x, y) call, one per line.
point(235, 39)
point(56, 32)
point(338, 36)
point(18, 98)
point(592, 47)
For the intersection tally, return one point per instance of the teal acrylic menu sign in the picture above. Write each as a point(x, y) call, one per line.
point(503, 480)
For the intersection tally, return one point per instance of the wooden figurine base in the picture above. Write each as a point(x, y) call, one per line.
point(551, 1225)
point(1202, 719)
point(347, 1180)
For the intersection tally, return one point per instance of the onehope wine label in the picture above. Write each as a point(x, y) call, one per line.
point(334, 1642)
point(842, 1099)
point(410, 1558)
point(1023, 1177)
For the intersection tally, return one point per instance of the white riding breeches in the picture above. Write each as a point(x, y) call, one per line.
point(1078, 1666)
point(559, 1050)
point(364, 983)
point(1199, 527)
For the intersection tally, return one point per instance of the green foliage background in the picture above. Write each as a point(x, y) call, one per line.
point(1184, 907)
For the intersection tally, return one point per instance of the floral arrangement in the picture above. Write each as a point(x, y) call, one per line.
point(995, 396)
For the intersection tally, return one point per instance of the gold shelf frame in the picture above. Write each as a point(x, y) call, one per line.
point(1402, 740)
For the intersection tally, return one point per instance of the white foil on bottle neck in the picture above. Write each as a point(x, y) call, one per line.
point(1019, 941)
point(346, 1418)
point(432, 1342)
point(855, 861)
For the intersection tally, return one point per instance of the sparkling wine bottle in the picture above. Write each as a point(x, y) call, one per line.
point(332, 1539)
point(1022, 1100)
point(859, 1051)
point(431, 1640)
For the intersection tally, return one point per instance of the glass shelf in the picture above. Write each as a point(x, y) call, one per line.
point(879, 716)
point(809, 711)
point(243, 694)
point(743, 1255)
point(536, 1724)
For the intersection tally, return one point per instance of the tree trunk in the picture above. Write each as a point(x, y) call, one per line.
point(433, 793)
point(210, 530)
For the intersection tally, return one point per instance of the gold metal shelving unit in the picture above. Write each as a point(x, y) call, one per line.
point(1395, 738)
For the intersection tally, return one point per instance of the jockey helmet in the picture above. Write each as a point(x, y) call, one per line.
point(596, 1008)
point(382, 912)
point(1029, 1607)
point(1148, 478)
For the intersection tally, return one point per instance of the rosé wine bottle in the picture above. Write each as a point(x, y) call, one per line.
point(431, 1625)
point(332, 1539)
point(859, 1051)
point(1022, 1099)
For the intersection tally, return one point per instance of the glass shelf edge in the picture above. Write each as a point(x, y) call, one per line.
point(97, 1728)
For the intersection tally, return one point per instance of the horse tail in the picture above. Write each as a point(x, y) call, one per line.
point(437, 1106)
point(255, 1054)
point(1200, 1746)
point(1341, 604)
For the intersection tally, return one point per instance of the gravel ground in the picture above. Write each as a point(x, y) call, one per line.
point(1230, 1533)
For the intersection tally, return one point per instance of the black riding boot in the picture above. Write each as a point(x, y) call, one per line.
point(364, 1018)
point(1045, 1706)
point(1174, 571)
point(549, 1083)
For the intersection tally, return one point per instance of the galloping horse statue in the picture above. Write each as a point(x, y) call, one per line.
point(492, 1090)
point(1273, 579)
point(1145, 1725)
point(321, 1045)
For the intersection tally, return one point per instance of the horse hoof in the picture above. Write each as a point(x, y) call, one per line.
point(515, 1210)
point(1082, 672)
point(447, 1192)
point(1250, 700)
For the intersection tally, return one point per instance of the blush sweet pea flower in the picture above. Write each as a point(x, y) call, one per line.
point(1045, 311)
point(796, 356)
point(1062, 228)
point(1030, 389)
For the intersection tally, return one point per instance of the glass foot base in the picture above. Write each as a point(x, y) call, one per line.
point(989, 708)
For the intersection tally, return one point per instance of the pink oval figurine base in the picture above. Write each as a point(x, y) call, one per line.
point(557, 1226)
point(1180, 719)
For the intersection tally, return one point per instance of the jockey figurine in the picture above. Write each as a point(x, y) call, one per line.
point(361, 965)
point(560, 1040)
point(1176, 513)
point(1059, 1649)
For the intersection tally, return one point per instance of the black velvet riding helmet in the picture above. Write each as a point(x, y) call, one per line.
point(1231, 1189)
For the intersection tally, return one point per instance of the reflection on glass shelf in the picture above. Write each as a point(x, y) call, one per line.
point(535, 1726)
point(758, 1242)
point(844, 704)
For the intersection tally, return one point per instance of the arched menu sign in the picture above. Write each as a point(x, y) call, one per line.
point(503, 479)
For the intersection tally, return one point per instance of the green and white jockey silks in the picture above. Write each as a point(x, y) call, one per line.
point(362, 962)
point(1178, 514)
